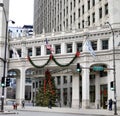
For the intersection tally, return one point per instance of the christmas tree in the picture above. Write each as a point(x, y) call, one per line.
point(47, 91)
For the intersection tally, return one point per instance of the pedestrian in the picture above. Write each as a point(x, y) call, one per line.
point(50, 104)
point(23, 103)
point(110, 104)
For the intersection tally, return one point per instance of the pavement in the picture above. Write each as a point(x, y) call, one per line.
point(8, 109)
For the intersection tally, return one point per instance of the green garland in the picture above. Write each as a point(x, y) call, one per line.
point(51, 57)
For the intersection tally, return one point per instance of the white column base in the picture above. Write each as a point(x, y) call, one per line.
point(75, 103)
point(85, 104)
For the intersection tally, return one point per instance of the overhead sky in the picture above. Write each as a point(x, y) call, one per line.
point(21, 11)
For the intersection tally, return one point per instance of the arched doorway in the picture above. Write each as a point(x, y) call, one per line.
point(99, 85)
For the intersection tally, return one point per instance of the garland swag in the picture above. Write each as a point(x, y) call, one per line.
point(51, 57)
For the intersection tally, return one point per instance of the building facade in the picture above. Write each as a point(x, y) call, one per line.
point(66, 15)
point(89, 89)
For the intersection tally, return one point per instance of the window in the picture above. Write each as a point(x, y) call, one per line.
point(67, 10)
point(30, 51)
point(71, 19)
point(106, 9)
point(19, 52)
point(58, 80)
point(71, 5)
point(94, 45)
point(104, 44)
point(64, 79)
point(79, 12)
point(57, 49)
point(88, 4)
point(10, 53)
point(93, 17)
point(82, 9)
point(33, 85)
point(79, 47)
point(78, 25)
point(100, 12)
point(48, 52)
point(82, 23)
point(74, 3)
point(88, 20)
point(38, 51)
point(93, 2)
point(67, 23)
point(74, 16)
point(69, 48)
point(92, 93)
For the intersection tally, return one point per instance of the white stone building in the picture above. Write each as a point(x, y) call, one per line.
point(90, 88)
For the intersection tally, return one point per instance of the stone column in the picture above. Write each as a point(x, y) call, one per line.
point(43, 50)
point(75, 91)
point(63, 48)
point(20, 86)
point(85, 88)
point(97, 91)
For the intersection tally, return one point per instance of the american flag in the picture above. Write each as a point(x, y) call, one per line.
point(48, 46)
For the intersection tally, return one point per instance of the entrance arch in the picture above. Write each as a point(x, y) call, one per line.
point(99, 86)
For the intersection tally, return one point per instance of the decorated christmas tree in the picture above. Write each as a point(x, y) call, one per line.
point(47, 91)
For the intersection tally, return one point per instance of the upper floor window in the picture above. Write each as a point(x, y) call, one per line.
point(48, 51)
point(104, 44)
point(82, 9)
point(88, 4)
point(58, 80)
point(64, 79)
point(79, 12)
point(88, 20)
point(93, 2)
point(69, 48)
point(10, 53)
point(74, 16)
point(74, 3)
point(83, 23)
point(71, 5)
point(106, 9)
point(79, 47)
point(94, 45)
point(93, 17)
point(100, 12)
point(57, 49)
point(30, 51)
point(38, 51)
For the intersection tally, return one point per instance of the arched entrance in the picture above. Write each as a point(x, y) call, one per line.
point(99, 85)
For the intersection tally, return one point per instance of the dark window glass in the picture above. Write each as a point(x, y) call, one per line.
point(106, 9)
point(94, 45)
point(38, 51)
point(57, 49)
point(30, 51)
point(58, 80)
point(100, 13)
point(69, 48)
point(64, 79)
point(104, 44)
point(93, 17)
point(79, 47)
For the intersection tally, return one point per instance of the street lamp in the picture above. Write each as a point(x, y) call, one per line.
point(114, 70)
point(4, 59)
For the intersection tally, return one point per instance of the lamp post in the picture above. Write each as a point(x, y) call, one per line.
point(4, 59)
point(114, 70)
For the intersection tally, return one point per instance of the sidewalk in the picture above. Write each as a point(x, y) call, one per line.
point(99, 112)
